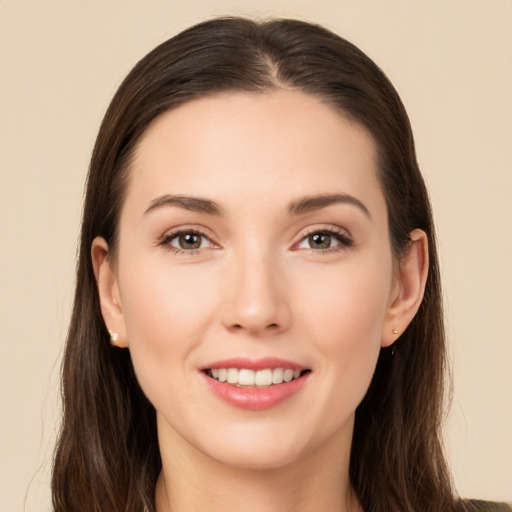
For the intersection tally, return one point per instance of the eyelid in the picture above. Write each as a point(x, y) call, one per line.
point(173, 233)
point(342, 235)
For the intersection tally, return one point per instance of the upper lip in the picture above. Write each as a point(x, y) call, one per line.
point(255, 364)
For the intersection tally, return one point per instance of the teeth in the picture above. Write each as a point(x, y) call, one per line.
point(233, 375)
point(288, 375)
point(263, 378)
point(260, 378)
point(246, 378)
point(277, 376)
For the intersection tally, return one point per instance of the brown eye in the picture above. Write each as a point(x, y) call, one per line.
point(187, 241)
point(319, 241)
point(325, 240)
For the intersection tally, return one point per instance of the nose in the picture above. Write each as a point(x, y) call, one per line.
point(255, 297)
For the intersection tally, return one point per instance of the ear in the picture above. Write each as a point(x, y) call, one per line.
point(408, 289)
point(108, 291)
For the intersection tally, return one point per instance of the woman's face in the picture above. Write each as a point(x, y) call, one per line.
point(254, 247)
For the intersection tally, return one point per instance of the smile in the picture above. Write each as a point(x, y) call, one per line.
point(245, 377)
point(255, 384)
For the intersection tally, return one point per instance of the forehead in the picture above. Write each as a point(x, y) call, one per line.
point(275, 145)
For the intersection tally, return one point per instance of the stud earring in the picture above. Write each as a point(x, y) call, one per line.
point(395, 331)
point(113, 337)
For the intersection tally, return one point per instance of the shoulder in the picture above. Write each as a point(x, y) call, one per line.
point(486, 506)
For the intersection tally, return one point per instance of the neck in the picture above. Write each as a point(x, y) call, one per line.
point(191, 481)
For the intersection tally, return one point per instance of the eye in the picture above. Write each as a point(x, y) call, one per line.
point(321, 241)
point(187, 241)
point(324, 240)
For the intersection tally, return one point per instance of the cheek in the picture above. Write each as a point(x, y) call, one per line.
point(345, 317)
point(348, 304)
point(166, 312)
point(160, 300)
point(350, 336)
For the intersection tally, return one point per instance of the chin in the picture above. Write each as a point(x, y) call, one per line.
point(273, 446)
point(256, 458)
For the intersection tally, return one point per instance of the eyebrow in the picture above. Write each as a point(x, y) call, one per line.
point(311, 203)
point(195, 204)
point(304, 205)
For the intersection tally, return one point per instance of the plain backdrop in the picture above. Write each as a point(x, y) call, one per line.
point(60, 63)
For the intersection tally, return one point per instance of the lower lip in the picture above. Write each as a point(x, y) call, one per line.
point(255, 399)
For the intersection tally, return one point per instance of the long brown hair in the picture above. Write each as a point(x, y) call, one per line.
point(107, 457)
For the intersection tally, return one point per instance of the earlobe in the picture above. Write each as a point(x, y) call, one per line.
point(108, 292)
point(411, 279)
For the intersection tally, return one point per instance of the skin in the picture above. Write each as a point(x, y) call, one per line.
point(258, 286)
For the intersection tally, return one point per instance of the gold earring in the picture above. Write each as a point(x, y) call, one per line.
point(113, 337)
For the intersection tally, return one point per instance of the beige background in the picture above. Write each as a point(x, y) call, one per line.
point(60, 63)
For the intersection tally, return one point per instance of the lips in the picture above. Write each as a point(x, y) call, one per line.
point(255, 384)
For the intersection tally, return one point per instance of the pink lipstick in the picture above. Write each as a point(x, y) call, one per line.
point(255, 384)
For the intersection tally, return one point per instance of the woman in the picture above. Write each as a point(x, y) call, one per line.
point(257, 321)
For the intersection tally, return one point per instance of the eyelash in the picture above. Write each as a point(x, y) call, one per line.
point(344, 241)
point(169, 237)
